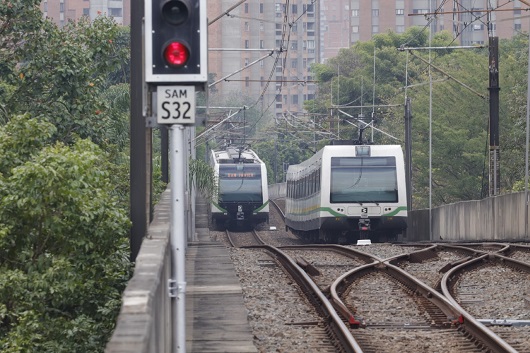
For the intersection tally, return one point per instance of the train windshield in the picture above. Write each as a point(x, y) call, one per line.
point(363, 179)
point(240, 182)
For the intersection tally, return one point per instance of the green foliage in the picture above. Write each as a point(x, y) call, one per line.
point(202, 176)
point(63, 73)
point(63, 251)
point(64, 136)
point(20, 139)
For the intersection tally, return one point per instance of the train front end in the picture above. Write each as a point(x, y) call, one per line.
point(241, 193)
point(366, 193)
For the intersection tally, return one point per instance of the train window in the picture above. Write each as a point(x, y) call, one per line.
point(314, 182)
point(318, 179)
point(240, 183)
point(363, 179)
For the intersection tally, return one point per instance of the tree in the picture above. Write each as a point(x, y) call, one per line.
point(64, 257)
point(63, 245)
point(60, 75)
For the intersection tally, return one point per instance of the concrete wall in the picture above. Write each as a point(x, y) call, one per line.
point(493, 219)
point(144, 323)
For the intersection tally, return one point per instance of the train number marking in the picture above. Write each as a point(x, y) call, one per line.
point(364, 212)
point(175, 104)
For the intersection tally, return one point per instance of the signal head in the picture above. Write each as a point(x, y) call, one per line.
point(175, 12)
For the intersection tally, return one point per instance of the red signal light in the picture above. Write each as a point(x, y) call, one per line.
point(176, 54)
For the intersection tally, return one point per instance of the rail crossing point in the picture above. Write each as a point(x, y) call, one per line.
point(175, 105)
point(175, 41)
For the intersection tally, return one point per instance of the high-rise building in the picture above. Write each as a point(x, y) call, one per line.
point(62, 11)
point(345, 22)
point(265, 50)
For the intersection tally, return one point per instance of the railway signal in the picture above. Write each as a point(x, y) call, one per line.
point(175, 42)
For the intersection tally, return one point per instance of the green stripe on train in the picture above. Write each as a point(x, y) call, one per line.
point(337, 214)
point(396, 211)
point(219, 207)
point(256, 210)
point(261, 207)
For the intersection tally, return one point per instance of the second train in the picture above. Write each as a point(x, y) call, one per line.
point(344, 193)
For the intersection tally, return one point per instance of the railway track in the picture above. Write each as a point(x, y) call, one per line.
point(243, 239)
point(390, 303)
point(480, 285)
point(395, 302)
point(333, 333)
point(338, 336)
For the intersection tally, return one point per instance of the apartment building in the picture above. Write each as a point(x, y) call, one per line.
point(266, 48)
point(62, 11)
point(345, 22)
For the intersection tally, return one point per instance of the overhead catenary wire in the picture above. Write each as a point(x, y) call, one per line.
point(450, 76)
point(367, 124)
point(284, 46)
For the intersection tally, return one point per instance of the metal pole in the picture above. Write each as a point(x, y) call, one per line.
point(139, 200)
point(527, 142)
point(408, 151)
point(430, 135)
point(164, 151)
point(494, 116)
point(178, 235)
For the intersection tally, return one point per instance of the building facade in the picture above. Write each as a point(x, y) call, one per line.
point(264, 49)
point(62, 11)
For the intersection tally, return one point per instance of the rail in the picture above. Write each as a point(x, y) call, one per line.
point(317, 298)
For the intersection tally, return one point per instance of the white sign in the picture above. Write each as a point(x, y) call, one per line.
point(175, 104)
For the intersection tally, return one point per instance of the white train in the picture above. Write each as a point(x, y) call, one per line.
point(348, 192)
point(243, 198)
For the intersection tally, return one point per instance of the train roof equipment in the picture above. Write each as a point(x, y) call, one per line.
point(237, 155)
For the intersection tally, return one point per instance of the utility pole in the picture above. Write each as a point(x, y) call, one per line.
point(408, 151)
point(494, 155)
point(139, 177)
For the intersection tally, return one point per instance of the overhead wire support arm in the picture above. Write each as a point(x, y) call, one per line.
point(216, 125)
point(451, 77)
point(467, 11)
point(239, 49)
point(226, 13)
point(243, 68)
point(366, 125)
point(334, 106)
point(443, 48)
